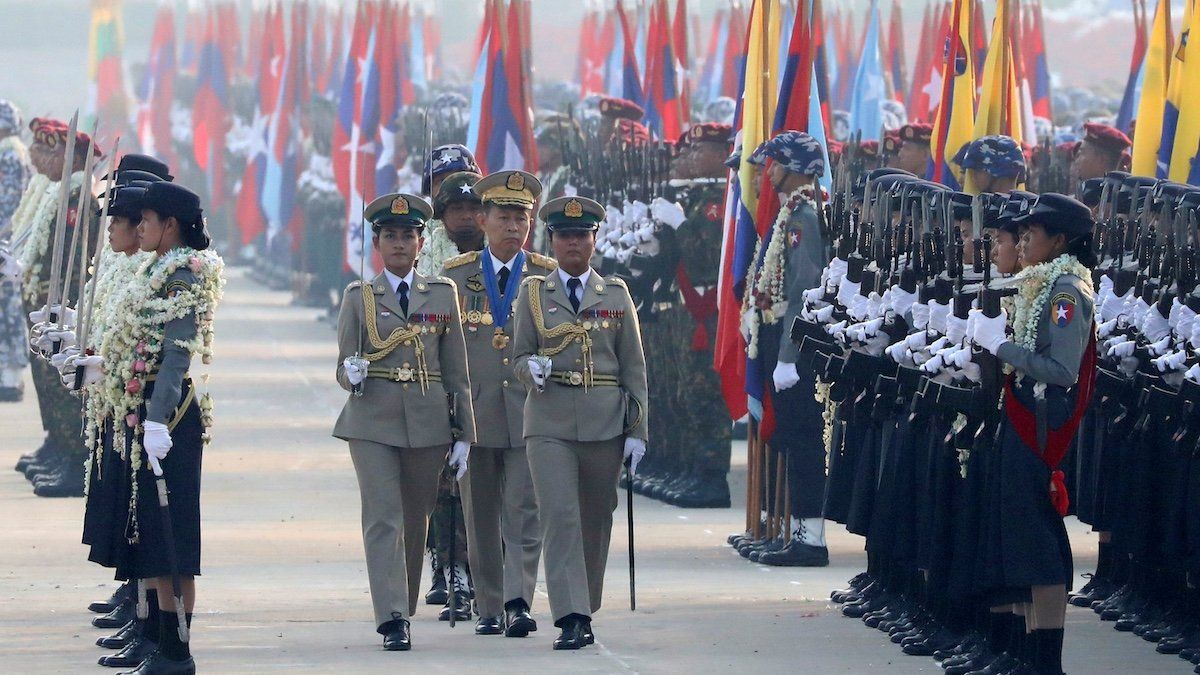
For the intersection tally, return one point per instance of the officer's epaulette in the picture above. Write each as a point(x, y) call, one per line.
point(354, 284)
point(461, 259)
point(543, 260)
point(538, 277)
point(444, 280)
point(616, 281)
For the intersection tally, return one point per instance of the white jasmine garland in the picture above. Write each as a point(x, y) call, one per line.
point(437, 250)
point(40, 226)
point(765, 284)
point(1035, 285)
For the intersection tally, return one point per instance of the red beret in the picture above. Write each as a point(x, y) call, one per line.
point(1109, 138)
point(684, 140)
point(711, 132)
point(632, 132)
point(869, 148)
point(891, 144)
point(917, 132)
point(621, 108)
point(51, 132)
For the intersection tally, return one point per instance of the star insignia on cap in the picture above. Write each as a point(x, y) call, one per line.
point(448, 156)
point(465, 189)
point(400, 206)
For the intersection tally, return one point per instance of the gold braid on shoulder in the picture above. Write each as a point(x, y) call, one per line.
point(569, 332)
point(384, 347)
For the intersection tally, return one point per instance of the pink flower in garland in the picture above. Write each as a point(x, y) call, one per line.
point(139, 366)
point(194, 263)
point(133, 386)
point(131, 420)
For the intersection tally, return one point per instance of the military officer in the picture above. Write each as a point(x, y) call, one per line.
point(578, 348)
point(504, 542)
point(1103, 149)
point(403, 358)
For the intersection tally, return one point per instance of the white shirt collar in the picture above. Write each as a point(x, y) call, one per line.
point(583, 279)
point(395, 280)
point(497, 264)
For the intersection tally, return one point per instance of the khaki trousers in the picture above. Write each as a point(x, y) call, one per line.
point(504, 540)
point(576, 486)
point(398, 487)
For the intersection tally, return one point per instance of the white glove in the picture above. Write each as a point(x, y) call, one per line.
point(1161, 347)
point(635, 449)
point(1194, 340)
point(835, 272)
point(785, 376)
point(668, 213)
point(458, 458)
point(859, 308)
point(1154, 326)
point(1186, 323)
point(59, 360)
point(1122, 349)
point(1137, 311)
point(989, 332)
point(920, 314)
point(1172, 361)
point(937, 317)
point(938, 345)
point(836, 329)
point(972, 372)
point(356, 370)
point(868, 329)
point(874, 306)
point(847, 291)
point(539, 370)
point(825, 314)
point(157, 442)
point(813, 295)
point(43, 316)
point(1114, 305)
point(635, 213)
point(958, 357)
point(956, 329)
point(917, 341)
point(934, 365)
point(93, 369)
point(902, 301)
point(1193, 373)
point(897, 351)
point(10, 267)
point(1105, 329)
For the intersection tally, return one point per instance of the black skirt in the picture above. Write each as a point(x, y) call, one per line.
point(135, 542)
point(107, 507)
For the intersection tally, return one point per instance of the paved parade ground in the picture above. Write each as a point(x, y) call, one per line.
point(285, 584)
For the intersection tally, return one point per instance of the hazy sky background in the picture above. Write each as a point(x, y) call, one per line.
point(43, 56)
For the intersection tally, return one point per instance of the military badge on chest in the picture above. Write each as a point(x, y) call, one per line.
point(475, 283)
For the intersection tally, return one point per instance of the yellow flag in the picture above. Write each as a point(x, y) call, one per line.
point(1155, 77)
point(760, 91)
point(955, 118)
point(1187, 132)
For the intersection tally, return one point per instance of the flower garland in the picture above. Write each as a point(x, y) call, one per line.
point(437, 250)
point(1036, 284)
point(132, 346)
point(31, 199)
point(14, 145)
point(767, 290)
point(39, 227)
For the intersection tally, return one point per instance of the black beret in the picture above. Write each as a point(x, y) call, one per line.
point(153, 165)
point(125, 177)
point(169, 199)
point(1059, 214)
point(127, 202)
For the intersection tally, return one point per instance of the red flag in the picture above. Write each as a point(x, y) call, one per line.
point(979, 39)
point(896, 53)
point(683, 60)
point(210, 113)
point(157, 91)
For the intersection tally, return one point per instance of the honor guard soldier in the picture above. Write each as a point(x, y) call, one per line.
point(504, 541)
point(578, 348)
point(1103, 149)
point(402, 357)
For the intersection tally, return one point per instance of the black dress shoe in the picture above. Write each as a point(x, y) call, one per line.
point(157, 664)
point(462, 611)
point(797, 554)
point(118, 596)
point(517, 621)
point(132, 655)
point(488, 625)
point(396, 637)
point(588, 636)
point(573, 634)
point(128, 633)
point(120, 616)
point(32, 457)
point(709, 491)
point(65, 483)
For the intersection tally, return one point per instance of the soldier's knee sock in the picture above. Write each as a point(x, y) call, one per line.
point(188, 617)
point(153, 614)
point(169, 643)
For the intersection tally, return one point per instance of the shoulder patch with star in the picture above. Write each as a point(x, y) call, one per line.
point(1062, 309)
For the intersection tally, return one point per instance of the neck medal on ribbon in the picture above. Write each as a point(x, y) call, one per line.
point(501, 306)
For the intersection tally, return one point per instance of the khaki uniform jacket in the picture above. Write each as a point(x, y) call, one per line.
point(576, 413)
point(497, 397)
point(398, 413)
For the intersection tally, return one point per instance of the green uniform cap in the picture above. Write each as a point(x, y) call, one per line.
point(398, 209)
point(572, 213)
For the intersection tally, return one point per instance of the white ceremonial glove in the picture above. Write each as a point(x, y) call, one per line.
point(356, 370)
point(937, 317)
point(934, 365)
point(959, 357)
point(668, 213)
point(457, 459)
point(59, 360)
point(920, 314)
point(1186, 323)
point(1122, 349)
point(989, 333)
point(902, 301)
point(157, 442)
point(869, 329)
point(1137, 311)
point(916, 341)
point(836, 329)
point(825, 314)
point(635, 449)
point(747, 322)
point(1161, 347)
point(1154, 326)
point(1193, 373)
point(1104, 292)
point(1173, 361)
point(1194, 340)
point(956, 329)
point(539, 370)
point(847, 291)
point(897, 351)
point(971, 371)
point(835, 271)
point(813, 296)
point(635, 213)
point(874, 306)
point(42, 316)
point(785, 376)
point(93, 370)
point(1114, 305)
point(938, 345)
point(1105, 329)
point(858, 308)
point(10, 267)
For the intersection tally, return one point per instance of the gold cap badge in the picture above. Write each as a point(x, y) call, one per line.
point(515, 181)
point(400, 206)
point(573, 209)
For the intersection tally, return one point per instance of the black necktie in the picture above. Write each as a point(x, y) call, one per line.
point(402, 293)
point(573, 285)
point(502, 280)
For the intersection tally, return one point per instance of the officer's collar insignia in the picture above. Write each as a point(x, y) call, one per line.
point(573, 209)
point(400, 206)
point(515, 182)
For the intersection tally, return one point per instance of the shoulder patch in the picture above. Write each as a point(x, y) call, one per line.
point(175, 286)
point(616, 281)
point(461, 259)
point(1062, 309)
point(542, 260)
